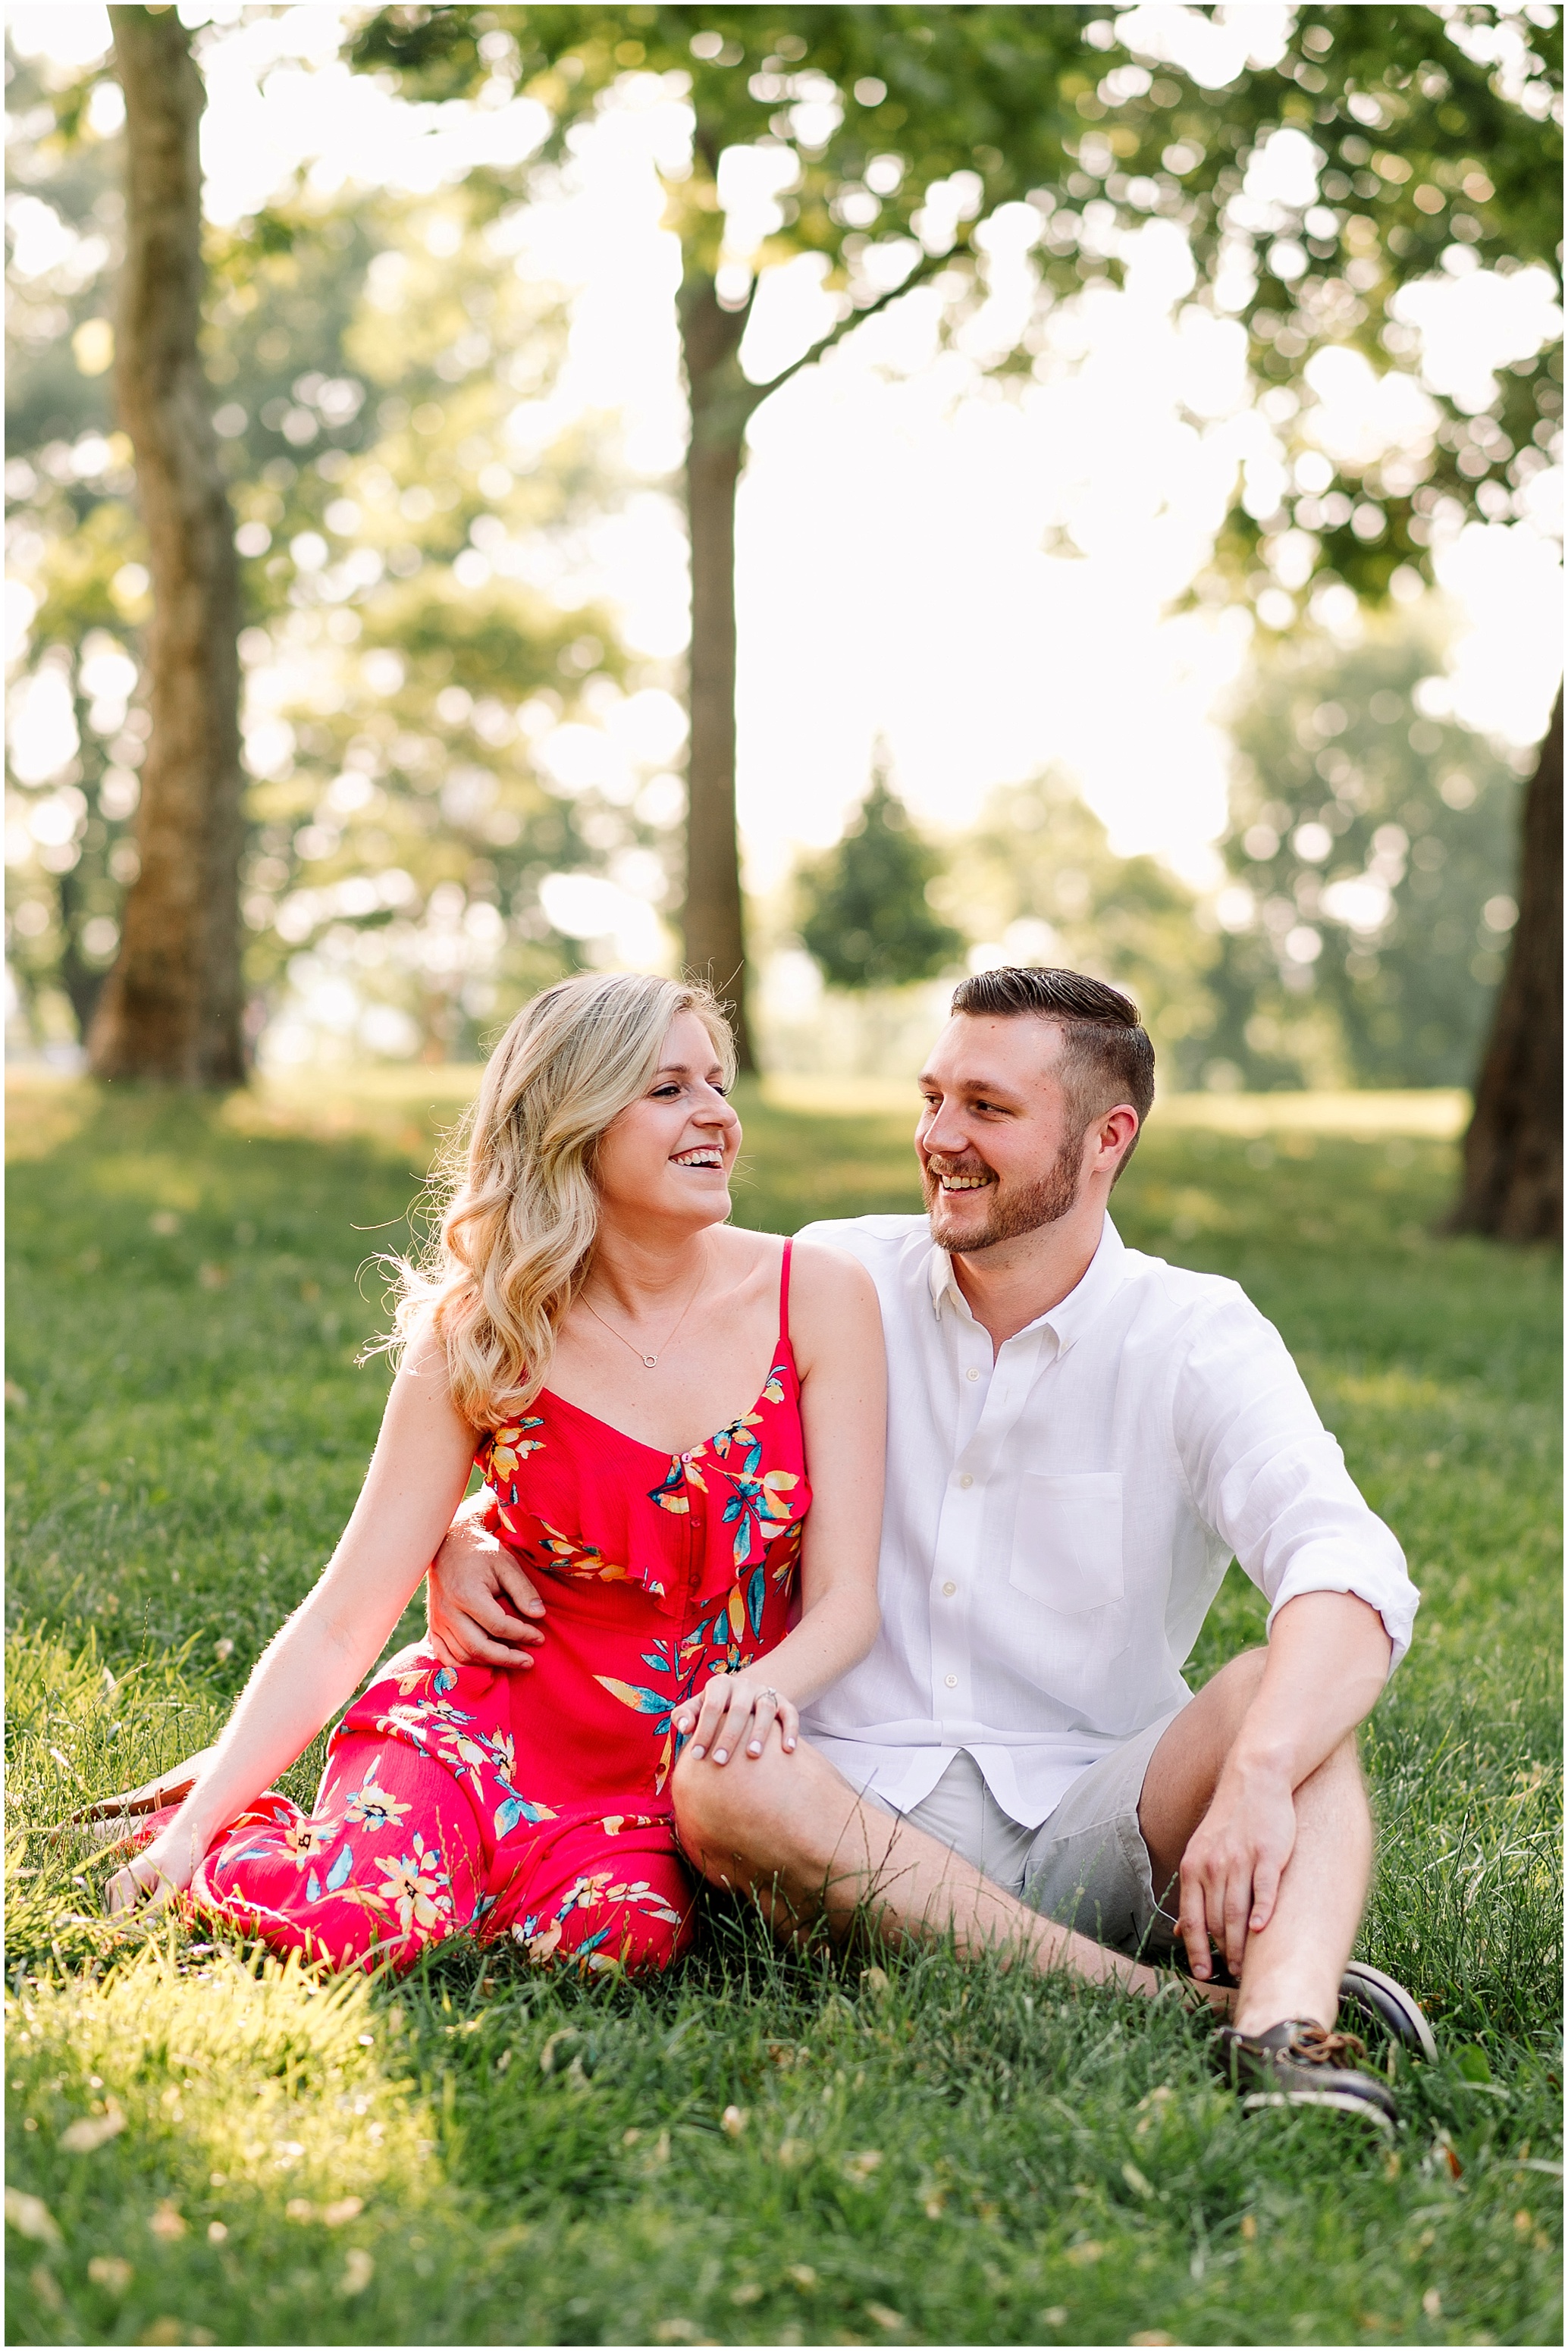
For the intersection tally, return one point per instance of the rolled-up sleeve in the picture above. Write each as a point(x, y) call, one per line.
point(1265, 1474)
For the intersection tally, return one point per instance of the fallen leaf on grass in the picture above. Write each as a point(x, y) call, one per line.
point(891, 2319)
point(347, 2208)
point(859, 2168)
point(1091, 2250)
point(91, 2131)
point(299, 2208)
point(168, 2223)
point(876, 1982)
point(111, 2273)
point(1432, 2303)
point(1152, 2335)
point(222, 1650)
point(31, 2216)
point(732, 2122)
point(794, 2152)
point(749, 2291)
point(217, 2233)
point(1055, 2317)
point(802, 2275)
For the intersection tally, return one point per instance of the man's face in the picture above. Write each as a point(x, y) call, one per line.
point(999, 1146)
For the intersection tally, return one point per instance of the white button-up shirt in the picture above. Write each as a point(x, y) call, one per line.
point(1059, 1518)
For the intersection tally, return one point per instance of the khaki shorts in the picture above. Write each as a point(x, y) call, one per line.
point(1087, 1866)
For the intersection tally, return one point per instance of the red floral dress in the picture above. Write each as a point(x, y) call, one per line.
point(533, 1803)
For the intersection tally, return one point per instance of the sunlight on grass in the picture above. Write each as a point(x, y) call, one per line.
point(761, 2148)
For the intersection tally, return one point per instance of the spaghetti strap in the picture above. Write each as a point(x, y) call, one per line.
point(784, 1292)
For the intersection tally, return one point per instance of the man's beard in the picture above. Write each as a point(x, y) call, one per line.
point(1019, 1210)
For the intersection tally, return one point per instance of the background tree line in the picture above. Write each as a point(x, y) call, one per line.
point(899, 132)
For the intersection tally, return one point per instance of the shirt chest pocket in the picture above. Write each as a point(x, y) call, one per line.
point(1067, 1540)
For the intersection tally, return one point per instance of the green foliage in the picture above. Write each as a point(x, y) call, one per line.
point(415, 631)
point(1036, 876)
point(1374, 849)
point(866, 916)
point(533, 2159)
point(1433, 132)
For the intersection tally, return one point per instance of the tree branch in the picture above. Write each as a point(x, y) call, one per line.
point(924, 268)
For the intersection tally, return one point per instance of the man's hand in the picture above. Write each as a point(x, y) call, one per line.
point(472, 1578)
point(1231, 1869)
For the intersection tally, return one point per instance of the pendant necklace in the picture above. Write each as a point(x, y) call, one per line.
point(649, 1362)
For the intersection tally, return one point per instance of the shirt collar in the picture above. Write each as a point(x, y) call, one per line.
point(1071, 1316)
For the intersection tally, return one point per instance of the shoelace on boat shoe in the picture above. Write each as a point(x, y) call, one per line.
point(1314, 2044)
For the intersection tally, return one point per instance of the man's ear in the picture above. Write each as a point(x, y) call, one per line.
point(1114, 1133)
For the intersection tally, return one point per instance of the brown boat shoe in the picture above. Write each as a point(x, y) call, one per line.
point(1300, 2064)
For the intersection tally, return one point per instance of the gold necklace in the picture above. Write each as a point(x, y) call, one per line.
point(649, 1362)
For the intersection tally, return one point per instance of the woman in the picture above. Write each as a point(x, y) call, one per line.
point(588, 1319)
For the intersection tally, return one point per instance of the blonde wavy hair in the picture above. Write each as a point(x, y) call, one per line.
point(517, 1235)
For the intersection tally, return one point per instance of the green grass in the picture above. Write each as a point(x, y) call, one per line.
point(928, 2152)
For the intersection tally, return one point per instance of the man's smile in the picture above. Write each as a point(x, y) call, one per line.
point(962, 1179)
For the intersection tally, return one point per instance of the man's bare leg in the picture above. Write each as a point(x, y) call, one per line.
point(790, 1831)
point(1292, 1968)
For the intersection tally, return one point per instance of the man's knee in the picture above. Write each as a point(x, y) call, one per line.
point(711, 1814)
point(733, 1820)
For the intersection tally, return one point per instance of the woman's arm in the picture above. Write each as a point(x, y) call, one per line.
point(835, 1326)
point(415, 1480)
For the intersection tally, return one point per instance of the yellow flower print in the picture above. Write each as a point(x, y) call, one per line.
point(772, 1508)
point(579, 1558)
point(306, 1840)
point(511, 1446)
point(417, 1887)
point(374, 1808)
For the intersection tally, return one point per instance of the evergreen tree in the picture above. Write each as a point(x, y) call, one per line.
point(866, 916)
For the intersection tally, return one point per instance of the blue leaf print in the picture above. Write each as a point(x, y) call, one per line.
point(645, 1701)
point(313, 1888)
point(518, 1808)
point(337, 1875)
point(446, 1680)
point(755, 1592)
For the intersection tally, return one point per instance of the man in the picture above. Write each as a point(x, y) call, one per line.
point(1080, 1438)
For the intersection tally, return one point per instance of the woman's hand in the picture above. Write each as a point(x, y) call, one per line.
point(155, 1877)
point(737, 1709)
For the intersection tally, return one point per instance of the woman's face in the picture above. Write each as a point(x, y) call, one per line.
point(669, 1153)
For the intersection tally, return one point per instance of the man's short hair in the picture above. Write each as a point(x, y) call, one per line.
point(1106, 1054)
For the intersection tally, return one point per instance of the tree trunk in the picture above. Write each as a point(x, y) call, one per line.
point(172, 1008)
point(1513, 1152)
point(721, 402)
